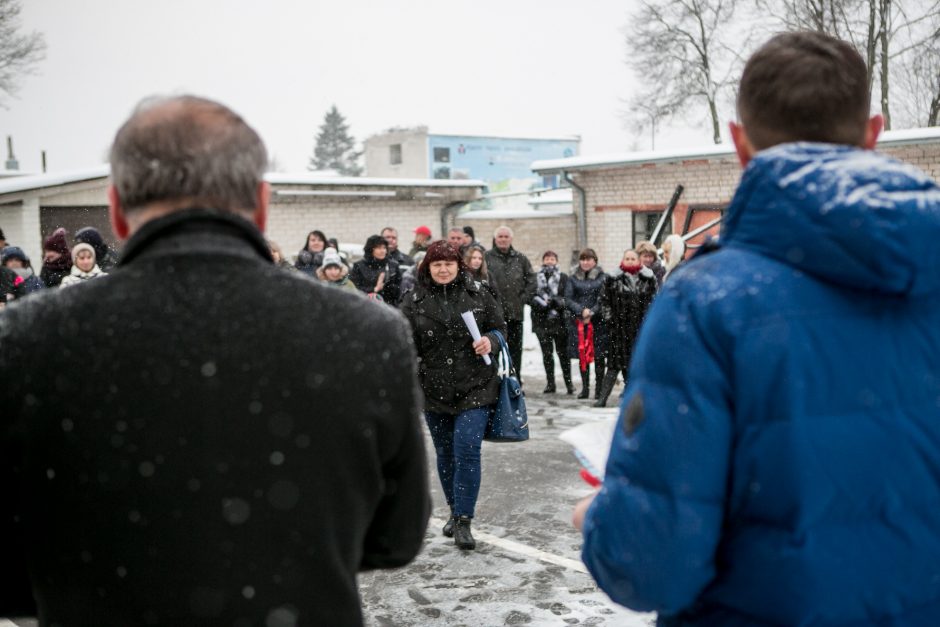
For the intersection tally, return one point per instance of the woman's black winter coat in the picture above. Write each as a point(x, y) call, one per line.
point(365, 274)
point(551, 320)
point(453, 377)
point(582, 291)
point(623, 303)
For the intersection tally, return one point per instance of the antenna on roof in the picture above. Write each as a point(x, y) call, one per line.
point(12, 163)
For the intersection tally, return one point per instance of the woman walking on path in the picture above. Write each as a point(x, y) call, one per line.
point(548, 320)
point(310, 257)
point(459, 388)
point(624, 300)
point(587, 333)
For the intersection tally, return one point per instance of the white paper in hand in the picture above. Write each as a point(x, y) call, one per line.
point(591, 442)
point(471, 323)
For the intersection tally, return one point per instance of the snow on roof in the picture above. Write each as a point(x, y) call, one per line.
point(310, 178)
point(547, 138)
point(549, 166)
point(41, 181)
point(555, 197)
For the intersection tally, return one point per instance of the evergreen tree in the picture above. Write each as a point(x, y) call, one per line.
point(335, 149)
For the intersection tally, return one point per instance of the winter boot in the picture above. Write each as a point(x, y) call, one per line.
point(548, 360)
point(462, 536)
point(448, 529)
point(610, 380)
point(550, 388)
point(599, 372)
point(566, 374)
point(585, 383)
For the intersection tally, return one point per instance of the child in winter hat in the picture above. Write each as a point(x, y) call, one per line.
point(334, 271)
point(84, 266)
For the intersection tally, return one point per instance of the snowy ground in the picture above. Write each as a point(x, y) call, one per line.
point(526, 568)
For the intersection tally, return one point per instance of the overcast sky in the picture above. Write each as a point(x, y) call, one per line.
point(509, 67)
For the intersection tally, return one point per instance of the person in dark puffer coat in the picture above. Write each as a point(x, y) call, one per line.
point(624, 301)
point(777, 457)
point(56, 258)
point(375, 274)
point(13, 258)
point(459, 388)
point(582, 293)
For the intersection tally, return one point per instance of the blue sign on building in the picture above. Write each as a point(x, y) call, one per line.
point(504, 163)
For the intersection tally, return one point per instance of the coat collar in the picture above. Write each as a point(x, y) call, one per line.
point(197, 230)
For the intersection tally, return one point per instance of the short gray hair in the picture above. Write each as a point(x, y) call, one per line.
point(187, 148)
point(503, 228)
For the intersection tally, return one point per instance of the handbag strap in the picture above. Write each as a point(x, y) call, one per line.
point(505, 367)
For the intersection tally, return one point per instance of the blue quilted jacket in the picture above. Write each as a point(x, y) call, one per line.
point(777, 458)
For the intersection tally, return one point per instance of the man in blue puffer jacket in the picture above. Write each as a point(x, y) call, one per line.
point(777, 460)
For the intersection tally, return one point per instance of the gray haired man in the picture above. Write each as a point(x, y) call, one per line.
point(189, 463)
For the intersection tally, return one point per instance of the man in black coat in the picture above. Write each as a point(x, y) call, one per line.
point(514, 279)
point(200, 438)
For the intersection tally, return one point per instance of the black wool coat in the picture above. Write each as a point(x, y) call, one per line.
point(187, 462)
point(454, 378)
point(365, 274)
point(624, 301)
point(583, 291)
point(514, 279)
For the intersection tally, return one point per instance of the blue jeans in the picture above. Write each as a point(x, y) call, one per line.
point(457, 440)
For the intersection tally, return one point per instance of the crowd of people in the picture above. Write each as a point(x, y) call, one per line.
point(585, 314)
point(87, 258)
point(209, 454)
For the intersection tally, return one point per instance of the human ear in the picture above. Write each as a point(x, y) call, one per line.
point(742, 145)
point(873, 129)
point(116, 213)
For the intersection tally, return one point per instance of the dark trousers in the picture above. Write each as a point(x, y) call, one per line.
point(551, 344)
point(457, 440)
point(610, 380)
point(514, 340)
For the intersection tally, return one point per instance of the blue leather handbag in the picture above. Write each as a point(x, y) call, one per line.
point(508, 420)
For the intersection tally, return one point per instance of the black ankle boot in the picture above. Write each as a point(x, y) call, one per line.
point(448, 529)
point(462, 536)
point(549, 389)
point(585, 384)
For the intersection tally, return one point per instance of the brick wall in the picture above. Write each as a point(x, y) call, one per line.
point(613, 193)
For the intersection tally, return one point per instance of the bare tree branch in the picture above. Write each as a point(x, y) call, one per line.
point(20, 53)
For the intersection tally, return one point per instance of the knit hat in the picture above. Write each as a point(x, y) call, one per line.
point(79, 248)
point(440, 250)
point(57, 242)
point(13, 252)
point(331, 258)
point(91, 235)
point(423, 230)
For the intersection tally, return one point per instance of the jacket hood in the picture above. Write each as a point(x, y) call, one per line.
point(848, 216)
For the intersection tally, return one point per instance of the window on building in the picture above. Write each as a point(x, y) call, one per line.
point(442, 155)
point(394, 154)
point(442, 172)
point(644, 223)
